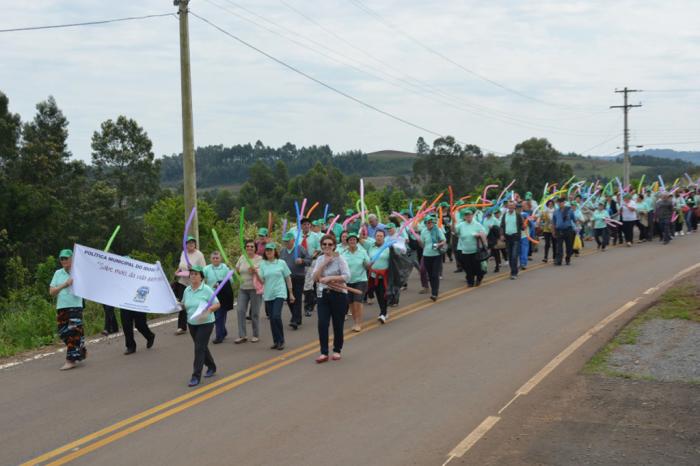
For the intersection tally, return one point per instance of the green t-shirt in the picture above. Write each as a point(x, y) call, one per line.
point(213, 275)
point(382, 262)
point(511, 223)
point(430, 237)
point(599, 217)
point(465, 232)
point(356, 263)
point(193, 298)
point(274, 274)
point(65, 297)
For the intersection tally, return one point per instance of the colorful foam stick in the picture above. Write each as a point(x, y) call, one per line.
point(184, 236)
point(358, 205)
point(407, 224)
point(379, 214)
point(298, 238)
point(241, 233)
point(641, 183)
point(505, 190)
point(483, 196)
point(388, 243)
point(362, 199)
point(440, 217)
point(352, 218)
point(218, 288)
point(330, 227)
point(284, 226)
point(111, 238)
point(224, 256)
point(568, 181)
point(690, 180)
point(452, 197)
point(269, 221)
point(661, 181)
point(313, 207)
point(300, 213)
point(410, 208)
point(325, 212)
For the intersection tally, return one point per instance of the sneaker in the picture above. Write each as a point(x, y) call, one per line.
point(523, 267)
point(356, 328)
point(240, 340)
point(423, 291)
point(370, 302)
point(180, 331)
point(382, 319)
point(149, 342)
point(254, 339)
point(307, 313)
point(321, 359)
point(336, 357)
point(513, 277)
point(544, 260)
point(210, 372)
point(68, 366)
point(129, 351)
point(280, 347)
point(433, 298)
point(194, 381)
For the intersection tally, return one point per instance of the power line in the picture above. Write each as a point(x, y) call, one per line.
point(444, 57)
point(87, 23)
point(420, 88)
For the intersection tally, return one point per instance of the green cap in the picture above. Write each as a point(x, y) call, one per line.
point(349, 212)
point(65, 253)
point(444, 204)
point(191, 238)
point(331, 216)
point(197, 268)
point(528, 196)
point(317, 223)
point(469, 211)
point(271, 245)
point(354, 235)
point(288, 236)
point(262, 232)
point(430, 218)
point(390, 225)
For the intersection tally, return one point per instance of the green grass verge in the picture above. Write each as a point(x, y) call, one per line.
point(678, 302)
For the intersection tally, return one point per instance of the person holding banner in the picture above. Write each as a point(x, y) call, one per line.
point(213, 274)
point(69, 312)
point(138, 319)
point(275, 276)
point(196, 295)
point(331, 273)
point(195, 258)
point(249, 297)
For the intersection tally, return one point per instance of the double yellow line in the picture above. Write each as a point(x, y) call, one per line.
point(162, 411)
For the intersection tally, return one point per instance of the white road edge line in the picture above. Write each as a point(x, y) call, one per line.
point(475, 435)
point(36, 357)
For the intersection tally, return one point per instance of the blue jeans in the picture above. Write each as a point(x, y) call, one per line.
point(524, 250)
point(274, 310)
point(513, 248)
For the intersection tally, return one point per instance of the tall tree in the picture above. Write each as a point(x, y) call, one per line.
point(535, 162)
point(10, 130)
point(122, 154)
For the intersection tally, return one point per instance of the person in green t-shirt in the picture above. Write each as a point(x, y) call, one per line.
point(69, 312)
point(600, 227)
point(433, 240)
point(276, 278)
point(213, 274)
point(197, 295)
point(358, 261)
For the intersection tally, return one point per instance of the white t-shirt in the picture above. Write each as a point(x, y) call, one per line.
point(629, 215)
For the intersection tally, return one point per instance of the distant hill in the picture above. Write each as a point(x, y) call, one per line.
point(688, 156)
point(391, 155)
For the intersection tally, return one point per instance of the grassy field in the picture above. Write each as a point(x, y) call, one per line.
point(592, 168)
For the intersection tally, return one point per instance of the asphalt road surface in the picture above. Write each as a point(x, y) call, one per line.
point(404, 393)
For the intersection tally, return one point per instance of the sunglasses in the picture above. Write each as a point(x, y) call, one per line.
point(327, 245)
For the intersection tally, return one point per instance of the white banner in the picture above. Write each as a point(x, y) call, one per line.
point(121, 282)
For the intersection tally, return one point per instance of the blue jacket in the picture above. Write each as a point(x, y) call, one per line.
point(563, 218)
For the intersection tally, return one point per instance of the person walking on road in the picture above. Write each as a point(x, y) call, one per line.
point(470, 233)
point(358, 261)
point(140, 321)
point(111, 324)
point(249, 296)
point(512, 227)
point(275, 276)
point(297, 259)
point(213, 274)
point(664, 215)
point(331, 273)
point(69, 312)
point(433, 241)
point(600, 228)
point(563, 222)
point(379, 272)
point(195, 257)
point(628, 212)
point(201, 327)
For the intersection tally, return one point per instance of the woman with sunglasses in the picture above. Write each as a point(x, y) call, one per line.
point(249, 298)
point(276, 278)
point(331, 273)
point(358, 261)
point(201, 326)
point(69, 312)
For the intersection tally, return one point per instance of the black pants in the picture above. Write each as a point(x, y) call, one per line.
point(298, 292)
point(602, 237)
point(200, 336)
point(111, 325)
point(472, 267)
point(628, 230)
point(496, 254)
point(650, 228)
point(380, 293)
point(513, 248)
point(332, 306)
point(565, 238)
point(548, 243)
point(273, 309)
point(226, 300)
point(179, 290)
point(131, 318)
point(665, 228)
point(310, 300)
point(433, 265)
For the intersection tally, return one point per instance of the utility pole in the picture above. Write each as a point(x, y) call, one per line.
point(625, 110)
point(188, 162)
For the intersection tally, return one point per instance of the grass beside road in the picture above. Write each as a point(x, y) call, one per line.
point(679, 302)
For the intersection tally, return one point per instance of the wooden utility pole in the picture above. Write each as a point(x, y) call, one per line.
point(625, 109)
point(188, 161)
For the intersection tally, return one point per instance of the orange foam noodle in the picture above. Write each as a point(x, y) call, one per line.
point(308, 214)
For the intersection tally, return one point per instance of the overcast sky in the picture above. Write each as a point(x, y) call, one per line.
point(560, 62)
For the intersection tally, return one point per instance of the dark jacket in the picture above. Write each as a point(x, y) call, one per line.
point(518, 222)
point(664, 210)
point(296, 269)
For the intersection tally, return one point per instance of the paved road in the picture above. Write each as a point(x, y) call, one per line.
point(404, 393)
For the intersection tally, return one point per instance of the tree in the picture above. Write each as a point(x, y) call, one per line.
point(422, 148)
point(122, 154)
point(535, 162)
point(10, 130)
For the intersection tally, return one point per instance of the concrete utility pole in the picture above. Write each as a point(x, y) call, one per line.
point(625, 110)
point(188, 162)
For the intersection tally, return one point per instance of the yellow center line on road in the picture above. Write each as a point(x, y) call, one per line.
point(196, 396)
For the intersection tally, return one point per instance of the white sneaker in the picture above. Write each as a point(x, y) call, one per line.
point(682, 234)
point(382, 319)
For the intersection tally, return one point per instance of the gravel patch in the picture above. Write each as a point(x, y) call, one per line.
point(665, 350)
